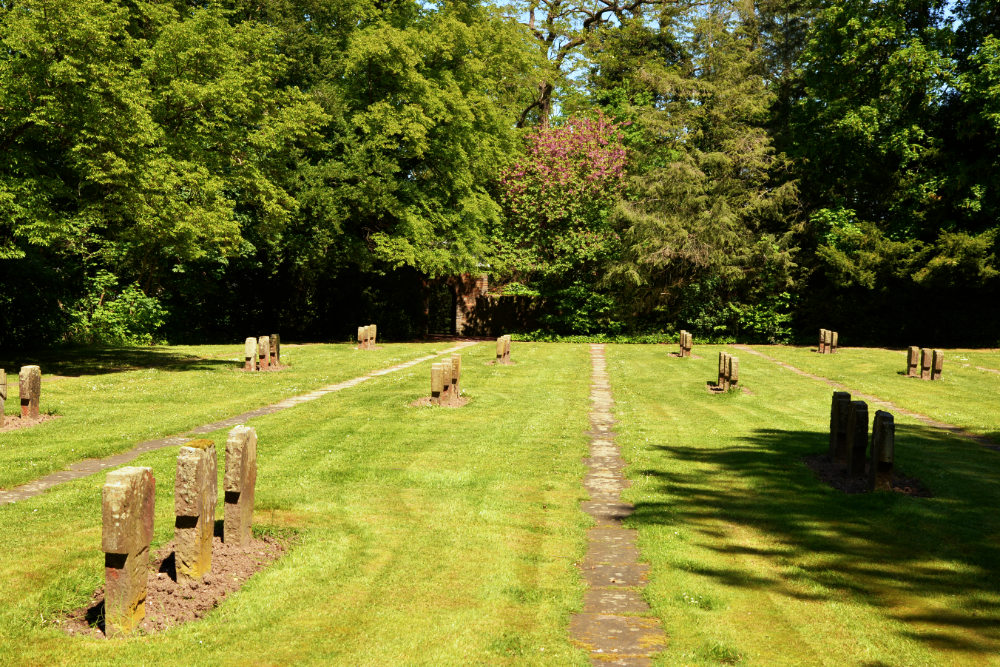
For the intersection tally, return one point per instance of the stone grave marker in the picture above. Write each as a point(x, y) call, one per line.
point(275, 350)
point(30, 386)
point(3, 393)
point(127, 501)
point(195, 494)
point(437, 383)
point(834, 336)
point(821, 348)
point(925, 364)
point(883, 451)
point(361, 338)
point(723, 365)
point(937, 364)
point(733, 372)
point(683, 343)
point(839, 410)
point(250, 354)
point(238, 485)
point(857, 438)
point(456, 376)
point(263, 352)
point(913, 361)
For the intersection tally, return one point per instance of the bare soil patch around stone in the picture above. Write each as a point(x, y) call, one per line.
point(832, 474)
point(169, 603)
point(714, 388)
point(426, 400)
point(15, 422)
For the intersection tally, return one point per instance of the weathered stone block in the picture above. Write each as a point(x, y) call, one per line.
point(239, 483)
point(374, 335)
point(264, 352)
point(937, 364)
point(456, 375)
point(500, 348)
point(127, 501)
point(733, 378)
point(821, 347)
point(857, 438)
point(275, 350)
point(913, 361)
point(361, 338)
point(437, 382)
point(723, 382)
point(834, 336)
point(883, 451)
point(195, 495)
point(250, 354)
point(839, 410)
point(925, 364)
point(30, 386)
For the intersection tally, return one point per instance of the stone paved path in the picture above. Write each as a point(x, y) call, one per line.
point(881, 403)
point(616, 625)
point(91, 466)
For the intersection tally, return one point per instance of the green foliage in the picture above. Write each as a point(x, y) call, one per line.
point(105, 317)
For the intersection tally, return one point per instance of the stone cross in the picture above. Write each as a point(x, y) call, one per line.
point(239, 483)
point(195, 494)
point(3, 393)
point(839, 410)
point(937, 364)
point(925, 364)
point(263, 352)
point(127, 501)
point(883, 451)
point(857, 437)
point(437, 383)
point(30, 385)
point(275, 350)
point(913, 361)
point(250, 354)
point(456, 375)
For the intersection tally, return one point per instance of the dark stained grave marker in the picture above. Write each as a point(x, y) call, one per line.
point(127, 503)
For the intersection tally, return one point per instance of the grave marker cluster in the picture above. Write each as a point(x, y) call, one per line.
point(828, 341)
point(686, 343)
point(729, 371)
point(927, 364)
point(446, 379)
point(260, 354)
point(366, 337)
point(127, 504)
point(849, 440)
point(503, 349)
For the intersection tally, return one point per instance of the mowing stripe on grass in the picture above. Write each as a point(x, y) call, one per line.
point(92, 466)
point(881, 403)
point(616, 623)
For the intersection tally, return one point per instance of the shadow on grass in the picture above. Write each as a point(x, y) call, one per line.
point(75, 362)
point(932, 564)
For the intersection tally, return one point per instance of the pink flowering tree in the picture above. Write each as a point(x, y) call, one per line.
point(557, 198)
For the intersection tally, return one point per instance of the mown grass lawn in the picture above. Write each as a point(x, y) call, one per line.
point(108, 400)
point(755, 561)
point(424, 535)
point(964, 396)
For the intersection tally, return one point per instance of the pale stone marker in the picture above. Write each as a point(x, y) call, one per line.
point(839, 409)
point(683, 343)
point(264, 352)
point(361, 338)
point(127, 501)
point(821, 348)
point(456, 375)
point(275, 350)
point(723, 363)
point(3, 393)
point(250, 354)
point(374, 336)
point(925, 364)
point(937, 364)
point(500, 349)
point(195, 494)
point(883, 451)
point(30, 386)
point(913, 361)
point(239, 483)
point(857, 438)
point(733, 376)
point(437, 383)
point(833, 341)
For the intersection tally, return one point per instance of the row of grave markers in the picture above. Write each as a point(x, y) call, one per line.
point(366, 337)
point(849, 440)
point(729, 371)
point(127, 503)
point(446, 381)
point(925, 364)
point(262, 353)
point(30, 388)
point(828, 341)
point(686, 343)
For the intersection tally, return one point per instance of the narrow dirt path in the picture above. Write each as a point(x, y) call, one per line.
point(616, 625)
point(881, 403)
point(91, 466)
